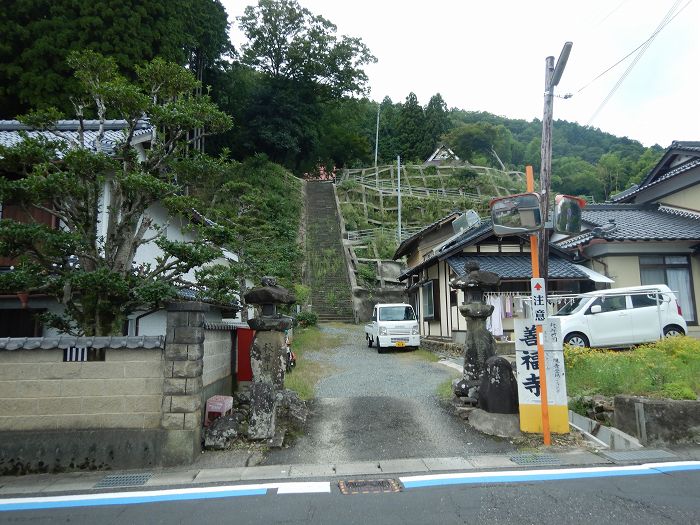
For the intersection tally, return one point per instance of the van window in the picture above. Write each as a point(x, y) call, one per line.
point(642, 301)
point(610, 303)
point(397, 313)
point(573, 306)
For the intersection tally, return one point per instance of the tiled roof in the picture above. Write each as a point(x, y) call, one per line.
point(65, 341)
point(68, 131)
point(467, 237)
point(633, 222)
point(406, 243)
point(514, 266)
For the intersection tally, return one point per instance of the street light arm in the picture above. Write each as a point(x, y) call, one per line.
point(561, 63)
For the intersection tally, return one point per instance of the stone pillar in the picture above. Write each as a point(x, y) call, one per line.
point(182, 403)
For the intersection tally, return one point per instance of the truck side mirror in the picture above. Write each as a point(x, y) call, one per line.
point(596, 309)
point(516, 214)
point(567, 214)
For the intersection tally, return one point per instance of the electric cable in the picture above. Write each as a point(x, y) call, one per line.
point(667, 19)
point(653, 35)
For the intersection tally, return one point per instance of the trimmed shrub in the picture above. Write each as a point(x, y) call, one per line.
point(305, 319)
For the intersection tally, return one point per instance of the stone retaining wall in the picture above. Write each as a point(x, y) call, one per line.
point(658, 421)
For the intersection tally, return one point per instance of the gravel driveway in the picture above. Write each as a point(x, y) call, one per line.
point(381, 407)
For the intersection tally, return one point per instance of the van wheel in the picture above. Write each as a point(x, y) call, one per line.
point(671, 330)
point(380, 350)
point(369, 342)
point(576, 339)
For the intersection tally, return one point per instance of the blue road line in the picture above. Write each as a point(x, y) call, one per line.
point(518, 478)
point(127, 500)
point(546, 475)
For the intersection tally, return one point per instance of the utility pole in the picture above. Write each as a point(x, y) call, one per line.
point(398, 166)
point(376, 138)
point(552, 76)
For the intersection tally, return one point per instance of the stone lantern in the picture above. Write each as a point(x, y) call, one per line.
point(479, 345)
point(267, 355)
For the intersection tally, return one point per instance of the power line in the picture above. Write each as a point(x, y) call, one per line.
point(665, 21)
point(653, 35)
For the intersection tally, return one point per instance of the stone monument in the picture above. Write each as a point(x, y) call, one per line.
point(267, 355)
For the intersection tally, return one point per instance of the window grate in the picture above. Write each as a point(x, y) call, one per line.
point(78, 354)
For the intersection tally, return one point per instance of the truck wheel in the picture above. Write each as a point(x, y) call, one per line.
point(380, 350)
point(369, 342)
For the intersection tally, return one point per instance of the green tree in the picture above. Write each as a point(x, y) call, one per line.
point(472, 141)
point(287, 41)
point(93, 274)
point(411, 130)
point(575, 176)
point(610, 171)
point(38, 36)
point(437, 120)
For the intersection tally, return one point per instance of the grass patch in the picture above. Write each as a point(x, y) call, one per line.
point(669, 368)
point(303, 378)
point(444, 389)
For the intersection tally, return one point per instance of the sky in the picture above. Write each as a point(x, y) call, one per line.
point(490, 56)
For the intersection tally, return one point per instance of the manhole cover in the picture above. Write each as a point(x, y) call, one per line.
point(369, 486)
point(535, 459)
point(634, 455)
point(124, 480)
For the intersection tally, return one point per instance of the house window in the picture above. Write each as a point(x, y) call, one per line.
point(430, 302)
point(673, 271)
point(20, 323)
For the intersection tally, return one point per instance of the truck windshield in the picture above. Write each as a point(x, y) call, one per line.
point(397, 313)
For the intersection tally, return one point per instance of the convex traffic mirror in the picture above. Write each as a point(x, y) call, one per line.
point(567, 214)
point(516, 214)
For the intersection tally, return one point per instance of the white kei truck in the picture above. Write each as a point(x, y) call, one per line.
point(393, 325)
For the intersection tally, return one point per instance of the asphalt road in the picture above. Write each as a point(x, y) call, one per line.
point(381, 406)
point(671, 498)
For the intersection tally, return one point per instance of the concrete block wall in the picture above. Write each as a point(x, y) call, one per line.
point(217, 356)
point(38, 391)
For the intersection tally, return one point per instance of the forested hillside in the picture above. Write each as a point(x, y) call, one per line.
point(295, 88)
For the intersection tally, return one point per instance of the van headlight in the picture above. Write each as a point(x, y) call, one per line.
point(382, 330)
point(414, 330)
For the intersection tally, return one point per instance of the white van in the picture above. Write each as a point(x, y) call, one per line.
point(621, 317)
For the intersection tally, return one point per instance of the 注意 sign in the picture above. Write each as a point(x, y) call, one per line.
point(538, 298)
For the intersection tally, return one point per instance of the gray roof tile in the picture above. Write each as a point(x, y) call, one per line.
point(514, 266)
point(632, 222)
point(113, 135)
point(66, 341)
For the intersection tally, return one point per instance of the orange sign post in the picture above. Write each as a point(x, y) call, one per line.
point(534, 257)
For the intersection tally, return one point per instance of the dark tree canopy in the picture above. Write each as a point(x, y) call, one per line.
point(38, 35)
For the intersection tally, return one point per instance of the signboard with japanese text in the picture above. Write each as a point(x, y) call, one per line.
point(528, 375)
point(538, 300)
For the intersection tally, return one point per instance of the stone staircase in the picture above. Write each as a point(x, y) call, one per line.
point(327, 272)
